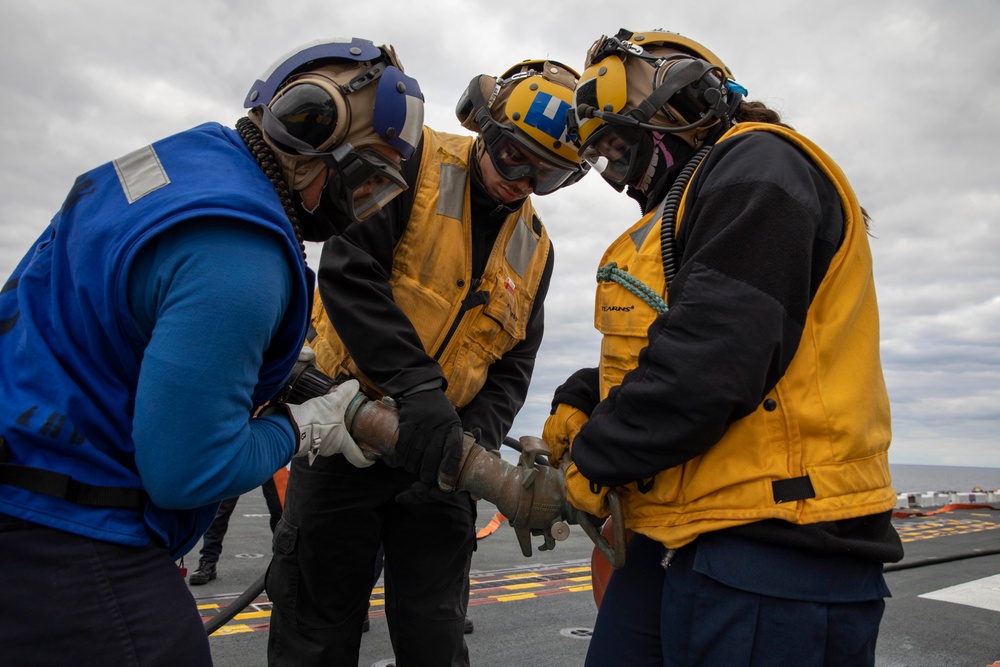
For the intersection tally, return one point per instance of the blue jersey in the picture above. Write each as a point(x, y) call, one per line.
point(70, 348)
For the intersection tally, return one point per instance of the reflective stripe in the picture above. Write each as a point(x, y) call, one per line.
point(521, 247)
point(451, 193)
point(413, 126)
point(139, 173)
point(639, 235)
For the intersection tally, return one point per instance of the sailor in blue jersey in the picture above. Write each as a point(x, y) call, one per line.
point(166, 302)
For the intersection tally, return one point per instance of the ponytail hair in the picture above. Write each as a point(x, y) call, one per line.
point(758, 112)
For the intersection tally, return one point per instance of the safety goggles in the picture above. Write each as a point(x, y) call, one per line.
point(310, 112)
point(613, 151)
point(513, 160)
point(363, 180)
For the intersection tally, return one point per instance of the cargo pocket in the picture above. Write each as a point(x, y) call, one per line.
point(283, 574)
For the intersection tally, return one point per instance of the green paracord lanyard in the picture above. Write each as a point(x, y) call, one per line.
point(611, 273)
point(667, 214)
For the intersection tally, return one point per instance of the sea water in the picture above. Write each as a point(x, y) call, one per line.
point(911, 478)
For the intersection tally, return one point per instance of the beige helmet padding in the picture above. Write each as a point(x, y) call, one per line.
point(356, 129)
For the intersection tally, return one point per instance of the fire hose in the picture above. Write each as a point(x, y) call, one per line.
point(531, 494)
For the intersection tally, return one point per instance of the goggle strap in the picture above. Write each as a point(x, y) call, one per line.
point(279, 134)
point(489, 130)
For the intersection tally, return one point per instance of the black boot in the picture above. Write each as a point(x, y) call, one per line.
point(204, 574)
point(469, 627)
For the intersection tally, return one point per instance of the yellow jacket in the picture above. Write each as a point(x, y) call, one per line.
point(815, 449)
point(431, 276)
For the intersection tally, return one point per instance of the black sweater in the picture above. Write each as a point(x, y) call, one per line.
point(761, 225)
point(353, 280)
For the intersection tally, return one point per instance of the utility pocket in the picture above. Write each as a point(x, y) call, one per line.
point(283, 573)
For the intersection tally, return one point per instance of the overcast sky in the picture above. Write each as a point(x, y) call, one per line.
point(899, 93)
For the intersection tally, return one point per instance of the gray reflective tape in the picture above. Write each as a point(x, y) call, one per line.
point(140, 172)
point(451, 194)
point(521, 247)
point(639, 235)
point(413, 126)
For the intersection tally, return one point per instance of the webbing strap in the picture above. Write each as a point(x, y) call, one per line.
point(796, 488)
point(57, 484)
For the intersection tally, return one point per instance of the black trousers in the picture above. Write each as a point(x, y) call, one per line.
point(321, 575)
point(67, 599)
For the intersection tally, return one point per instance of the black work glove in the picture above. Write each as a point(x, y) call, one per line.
point(421, 492)
point(429, 444)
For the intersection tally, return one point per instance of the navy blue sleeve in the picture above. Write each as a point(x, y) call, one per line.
point(206, 297)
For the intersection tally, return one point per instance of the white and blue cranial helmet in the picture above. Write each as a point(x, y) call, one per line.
point(346, 104)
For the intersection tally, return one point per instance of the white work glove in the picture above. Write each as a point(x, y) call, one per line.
point(320, 425)
point(307, 355)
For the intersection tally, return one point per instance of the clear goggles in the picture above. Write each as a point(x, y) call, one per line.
point(513, 160)
point(304, 122)
point(363, 180)
point(613, 150)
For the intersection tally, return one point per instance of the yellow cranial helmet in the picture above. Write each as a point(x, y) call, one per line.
point(636, 83)
point(525, 109)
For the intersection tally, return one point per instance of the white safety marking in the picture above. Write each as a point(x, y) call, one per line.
point(552, 108)
point(982, 593)
point(577, 633)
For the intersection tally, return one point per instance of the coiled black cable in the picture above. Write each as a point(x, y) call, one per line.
point(669, 216)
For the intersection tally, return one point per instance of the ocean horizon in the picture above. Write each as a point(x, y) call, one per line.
point(915, 478)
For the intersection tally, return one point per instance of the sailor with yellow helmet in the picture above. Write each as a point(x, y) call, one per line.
point(739, 406)
point(440, 308)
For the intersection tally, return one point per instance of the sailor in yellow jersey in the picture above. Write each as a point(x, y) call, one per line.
point(743, 414)
point(440, 307)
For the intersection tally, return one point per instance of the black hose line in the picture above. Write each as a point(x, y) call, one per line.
point(894, 567)
point(229, 612)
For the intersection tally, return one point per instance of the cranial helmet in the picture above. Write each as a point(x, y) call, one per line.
point(331, 103)
point(521, 116)
point(637, 83)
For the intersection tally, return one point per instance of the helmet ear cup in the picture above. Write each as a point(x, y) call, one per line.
point(694, 90)
point(471, 110)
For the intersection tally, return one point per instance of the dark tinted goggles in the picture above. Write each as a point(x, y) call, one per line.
point(309, 113)
point(362, 181)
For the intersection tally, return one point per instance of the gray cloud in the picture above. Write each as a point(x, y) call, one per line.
point(900, 93)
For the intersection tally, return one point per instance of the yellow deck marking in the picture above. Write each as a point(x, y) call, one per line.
point(512, 598)
point(252, 614)
point(237, 629)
